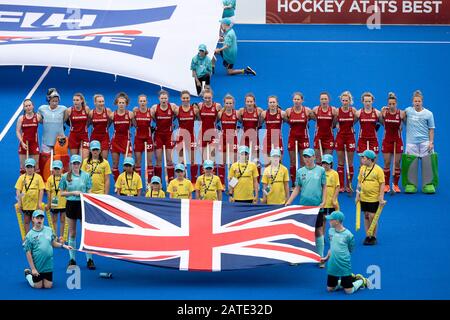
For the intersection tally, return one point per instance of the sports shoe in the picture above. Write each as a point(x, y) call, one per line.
point(396, 188)
point(249, 70)
point(90, 264)
point(366, 241)
point(27, 272)
point(373, 241)
point(360, 277)
point(321, 265)
point(387, 188)
point(429, 189)
point(410, 188)
point(72, 262)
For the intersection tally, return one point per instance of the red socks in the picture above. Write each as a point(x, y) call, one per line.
point(158, 171)
point(341, 173)
point(387, 175)
point(150, 173)
point(221, 171)
point(115, 172)
point(293, 174)
point(397, 176)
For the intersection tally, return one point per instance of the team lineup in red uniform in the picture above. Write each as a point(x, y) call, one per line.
point(220, 127)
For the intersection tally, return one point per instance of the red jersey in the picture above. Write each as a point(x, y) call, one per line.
point(30, 128)
point(186, 119)
point(122, 124)
point(324, 127)
point(250, 119)
point(78, 120)
point(208, 116)
point(143, 123)
point(298, 123)
point(368, 123)
point(273, 121)
point(164, 119)
point(346, 119)
point(229, 121)
point(100, 123)
point(392, 126)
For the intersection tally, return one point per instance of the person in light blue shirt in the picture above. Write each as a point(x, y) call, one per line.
point(53, 117)
point(229, 6)
point(311, 184)
point(229, 50)
point(339, 266)
point(201, 67)
point(72, 184)
point(38, 246)
point(419, 145)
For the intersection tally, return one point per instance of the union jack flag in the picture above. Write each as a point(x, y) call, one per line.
point(197, 234)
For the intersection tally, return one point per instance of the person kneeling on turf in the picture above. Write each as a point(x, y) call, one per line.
point(38, 247)
point(339, 267)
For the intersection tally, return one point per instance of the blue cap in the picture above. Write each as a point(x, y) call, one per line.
point(368, 154)
point(242, 149)
point(202, 47)
point(57, 164)
point(75, 158)
point(179, 167)
point(208, 164)
point(275, 153)
point(336, 215)
point(226, 21)
point(95, 144)
point(30, 162)
point(309, 152)
point(128, 160)
point(38, 213)
point(327, 158)
point(155, 179)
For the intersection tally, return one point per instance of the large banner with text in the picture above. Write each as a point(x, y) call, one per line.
point(358, 11)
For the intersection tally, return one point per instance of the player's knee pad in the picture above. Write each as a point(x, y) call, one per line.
point(430, 173)
point(409, 170)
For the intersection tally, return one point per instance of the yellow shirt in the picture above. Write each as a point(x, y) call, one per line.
point(155, 194)
point(129, 185)
point(370, 181)
point(276, 180)
point(98, 172)
point(30, 186)
point(208, 187)
point(51, 186)
point(244, 190)
point(180, 189)
point(332, 185)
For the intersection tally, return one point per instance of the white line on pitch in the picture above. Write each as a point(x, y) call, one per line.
point(20, 108)
point(347, 41)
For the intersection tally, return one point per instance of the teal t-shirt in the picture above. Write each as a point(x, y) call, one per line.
point(82, 182)
point(230, 53)
point(311, 182)
point(227, 13)
point(418, 125)
point(40, 245)
point(201, 66)
point(341, 245)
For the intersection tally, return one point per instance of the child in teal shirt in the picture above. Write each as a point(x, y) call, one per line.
point(38, 245)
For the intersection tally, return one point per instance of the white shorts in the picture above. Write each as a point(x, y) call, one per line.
point(46, 149)
point(418, 149)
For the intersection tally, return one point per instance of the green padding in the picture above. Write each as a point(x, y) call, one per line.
point(430, 170)
point(409, 170)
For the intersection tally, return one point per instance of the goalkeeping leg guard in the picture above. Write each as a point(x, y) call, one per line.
point(430, 173)
point(409, 173)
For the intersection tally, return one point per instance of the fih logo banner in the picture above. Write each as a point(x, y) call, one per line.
point(153, 41)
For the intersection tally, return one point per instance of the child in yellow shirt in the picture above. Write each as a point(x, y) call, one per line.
point(208, 185)
point(129, 183)
point(55, 202)
point(29, 192)
point(180, 188)
point(155, 190)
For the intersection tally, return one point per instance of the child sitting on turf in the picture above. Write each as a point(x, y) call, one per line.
point(339, 266)
point(155, 190)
